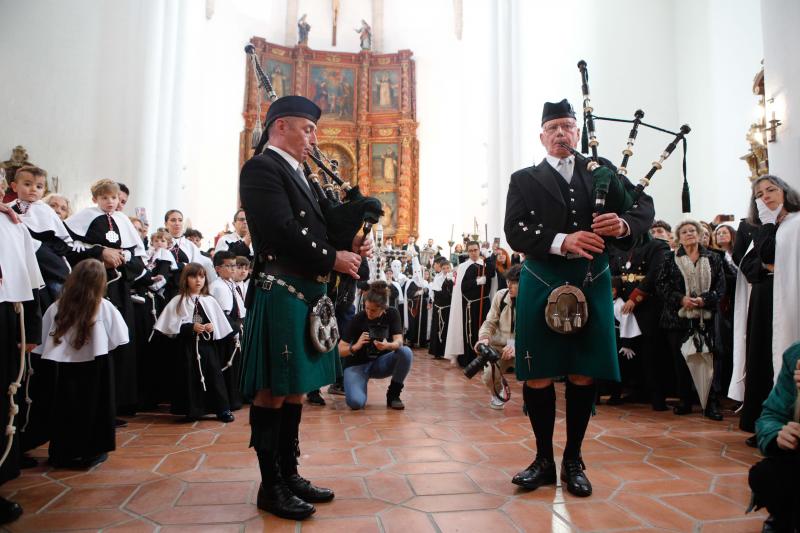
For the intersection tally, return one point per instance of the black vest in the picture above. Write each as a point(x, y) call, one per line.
point(578, 201)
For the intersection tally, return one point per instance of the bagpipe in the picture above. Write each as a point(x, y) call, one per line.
point(346, 210)
point(609, 191)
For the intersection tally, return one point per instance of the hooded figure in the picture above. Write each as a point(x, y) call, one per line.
point(415, 319)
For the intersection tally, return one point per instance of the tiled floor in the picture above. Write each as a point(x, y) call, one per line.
point(444, 464)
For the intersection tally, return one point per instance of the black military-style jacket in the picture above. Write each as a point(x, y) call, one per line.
point(536, 210)
point(285, 220)
point(639, 269)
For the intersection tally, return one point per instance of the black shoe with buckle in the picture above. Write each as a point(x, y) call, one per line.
point(302, 488)
point(280, 501)
point(540, 472)
point(572, 473)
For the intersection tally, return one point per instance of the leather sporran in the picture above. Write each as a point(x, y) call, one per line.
point(323, 330)
point(566, 311)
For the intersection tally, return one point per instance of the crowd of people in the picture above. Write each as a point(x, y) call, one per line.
point(122, 318)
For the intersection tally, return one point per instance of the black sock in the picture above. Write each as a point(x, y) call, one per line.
point(289, 445)
point(265, 426)
point(580, 400)
point(541, 404)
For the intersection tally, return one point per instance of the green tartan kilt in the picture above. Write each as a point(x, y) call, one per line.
point(277, 352)
point(543, 353)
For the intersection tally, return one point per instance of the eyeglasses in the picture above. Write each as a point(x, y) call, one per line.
point(566, 128)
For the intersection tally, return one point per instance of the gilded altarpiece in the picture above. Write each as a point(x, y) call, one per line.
point(368, 122)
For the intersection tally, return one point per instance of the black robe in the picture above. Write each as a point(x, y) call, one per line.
point(417, 308)
point(475, 305)
point(441, 316)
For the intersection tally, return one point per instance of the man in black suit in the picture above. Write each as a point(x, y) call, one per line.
point(550, 218)
point(293, 259)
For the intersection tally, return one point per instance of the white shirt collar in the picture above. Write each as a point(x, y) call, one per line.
point(554, 160)
point(294, 163)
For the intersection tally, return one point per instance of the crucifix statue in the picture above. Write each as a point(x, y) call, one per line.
point(335, 7)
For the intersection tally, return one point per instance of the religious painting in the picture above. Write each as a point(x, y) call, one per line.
point(385, 157)
point(332, 89)
point(280, 74)
point(389, 218)
point(385, 90)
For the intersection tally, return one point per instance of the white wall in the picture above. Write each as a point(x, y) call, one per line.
point(151, 92)
point(782, 82)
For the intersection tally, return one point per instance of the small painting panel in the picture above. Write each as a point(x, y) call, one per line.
point(385, 157)
point(281, 75)
point(333, 90)
point(384, 90)
point(389, 218)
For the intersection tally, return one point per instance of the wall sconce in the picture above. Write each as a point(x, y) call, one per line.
point(772, 129)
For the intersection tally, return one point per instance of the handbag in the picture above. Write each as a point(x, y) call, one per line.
point(566, 311)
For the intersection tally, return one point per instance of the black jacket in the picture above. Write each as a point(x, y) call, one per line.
point(285, 220)
point(672, 288)
point(536, 211)
point(643, 260)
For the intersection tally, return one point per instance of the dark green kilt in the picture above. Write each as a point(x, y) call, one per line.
point(543, 353)
point(277, 352)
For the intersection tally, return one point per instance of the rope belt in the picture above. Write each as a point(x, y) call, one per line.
point(236, 348)
point(13, 408)
point(468, 317)
point(206, 337)
point(441, 320)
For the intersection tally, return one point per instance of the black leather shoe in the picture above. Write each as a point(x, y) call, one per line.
point(540, 472)
point(712, 413)
point(302, 488)
point(315, 398)
point(572, 473)
point(9, 511)
point(681, 409)
point(752, 441)
point(226, 416)
point(279, 500)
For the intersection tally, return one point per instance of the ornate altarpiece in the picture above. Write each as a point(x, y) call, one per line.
point(368, 121)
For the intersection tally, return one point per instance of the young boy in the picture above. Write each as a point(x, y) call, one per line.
point(242, 276)
point(52, 241)
point(223, 289)
point(121, 250)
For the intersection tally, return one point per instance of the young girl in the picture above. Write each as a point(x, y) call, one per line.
point(79, 331)
point(196, 321)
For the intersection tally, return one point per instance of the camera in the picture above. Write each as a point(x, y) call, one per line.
point(376, 333)
point(485, 354)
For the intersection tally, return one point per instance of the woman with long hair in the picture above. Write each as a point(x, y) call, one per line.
point(771, 233)
point(78, 331)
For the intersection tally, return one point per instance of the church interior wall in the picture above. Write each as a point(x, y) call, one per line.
point(151, 93)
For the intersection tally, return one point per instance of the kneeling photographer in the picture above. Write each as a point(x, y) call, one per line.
point(497, 332)
point(367, 351)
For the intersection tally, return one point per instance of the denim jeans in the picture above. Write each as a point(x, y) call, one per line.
point(396, 364)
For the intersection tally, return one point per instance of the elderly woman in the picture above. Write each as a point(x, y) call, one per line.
point(691, 283)
point(60, 204)
point(770, 231)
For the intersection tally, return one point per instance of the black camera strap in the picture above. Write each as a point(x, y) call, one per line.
point(506, 390)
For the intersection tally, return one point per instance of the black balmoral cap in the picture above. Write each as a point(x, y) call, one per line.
point(292, 106)
point(552, 111)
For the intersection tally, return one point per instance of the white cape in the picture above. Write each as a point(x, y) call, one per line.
point(174, 316)
point(161, 254)
point(19, 270)
point(79, 224)
point(454, 345)
point(194, 255)
point(224, 292)
point(742, 301)
point(108, 331)
point(786, 291)
point(40, 218)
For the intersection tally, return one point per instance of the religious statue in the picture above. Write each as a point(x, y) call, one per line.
point(389, 166)
point(303, 28)
point(365, 35)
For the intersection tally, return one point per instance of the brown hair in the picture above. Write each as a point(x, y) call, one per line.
point(79, 302)
point(36, 172)
point(191, 270)
point(378, 293)
point(166, 216)
point(163, 235)
point(791, 199)
point(242, 261)
point(104, 186)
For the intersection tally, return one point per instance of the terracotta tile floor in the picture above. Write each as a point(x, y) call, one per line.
point(442, 465)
